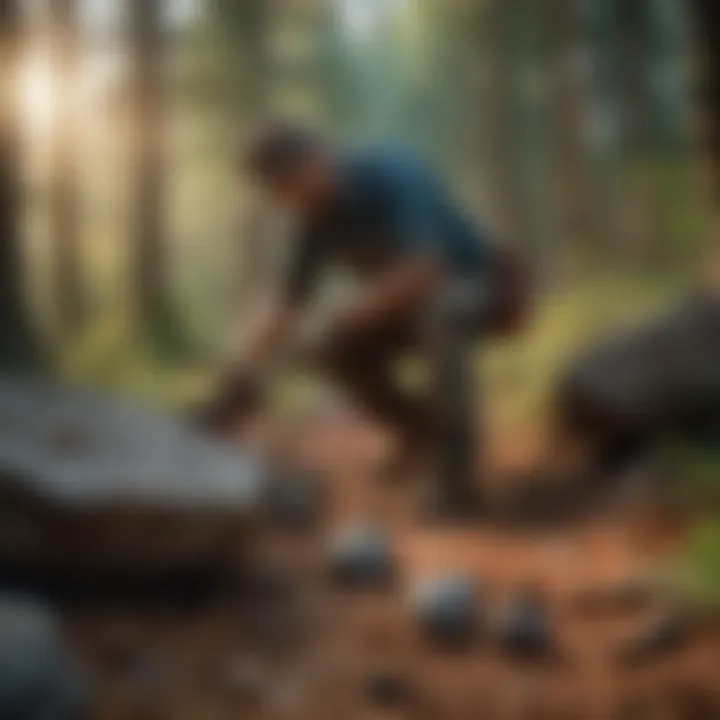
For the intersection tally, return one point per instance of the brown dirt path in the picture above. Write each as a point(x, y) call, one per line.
point(204, 664)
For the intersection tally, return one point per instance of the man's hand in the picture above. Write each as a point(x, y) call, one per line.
point(239, 397)
point(240, 393)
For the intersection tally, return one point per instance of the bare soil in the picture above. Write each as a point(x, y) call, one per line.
point(234, 657)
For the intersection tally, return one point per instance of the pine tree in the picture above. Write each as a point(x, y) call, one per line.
point(19, 347)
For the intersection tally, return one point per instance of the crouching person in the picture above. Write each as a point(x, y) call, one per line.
point(431, 283)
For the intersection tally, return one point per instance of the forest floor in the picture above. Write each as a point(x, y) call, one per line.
point(230, 658)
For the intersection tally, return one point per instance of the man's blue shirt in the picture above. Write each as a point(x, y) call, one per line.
point(388, 206)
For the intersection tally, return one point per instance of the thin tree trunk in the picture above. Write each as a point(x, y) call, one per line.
point(569, 109)
point(242, 30)
point(638, 211)
point(249, 31)
point(706, 16)
point(148, 203)
point(66, 240)
point(675, 194)
point(19, 346)
point(530, 50)
point(604, 119)
point(498, 110)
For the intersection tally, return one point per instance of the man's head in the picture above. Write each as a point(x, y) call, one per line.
point(294, 165)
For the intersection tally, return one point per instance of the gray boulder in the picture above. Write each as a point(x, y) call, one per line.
point(38, 680)
point(658, 378)
point(89, 480)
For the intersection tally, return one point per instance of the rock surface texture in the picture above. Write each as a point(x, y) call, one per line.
point(89, 480)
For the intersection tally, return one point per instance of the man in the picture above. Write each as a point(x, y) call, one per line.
point(430, 282)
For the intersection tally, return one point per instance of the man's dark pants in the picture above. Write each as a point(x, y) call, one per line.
point(445, 419)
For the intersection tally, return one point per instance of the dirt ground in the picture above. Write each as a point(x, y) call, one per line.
point(305, 650)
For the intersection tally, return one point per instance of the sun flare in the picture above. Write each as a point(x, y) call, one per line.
point(37, 94)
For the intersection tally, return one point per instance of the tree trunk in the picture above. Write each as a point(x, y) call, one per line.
point(604, 116)
point(639, 213)
point(243, 30)
point(498, 113)
point(243, 33)
point(66, 240)
point(18, 346)
point(530, 48)
point(706, 16)
point(149, 260)
point(571, 185)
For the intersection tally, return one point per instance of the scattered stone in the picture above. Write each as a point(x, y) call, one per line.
point(446, 608)
point(525, 631)
point(386, 688)
point(37, 676)
point(361, 556)
point(296, 502)
point(663, 635)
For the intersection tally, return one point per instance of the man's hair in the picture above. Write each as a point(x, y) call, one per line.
point(278, 149)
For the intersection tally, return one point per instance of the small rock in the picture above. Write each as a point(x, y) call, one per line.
point(386, 688)
point(296, 502)
point(663, 635)
point(446, 608)
point(37, 676)
point(361, 556)
point(524, 631)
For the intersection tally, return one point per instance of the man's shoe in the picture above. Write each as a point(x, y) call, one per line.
point(453, 506)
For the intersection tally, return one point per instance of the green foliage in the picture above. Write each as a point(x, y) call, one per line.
point(519, 375)
point(692, 480)
point(701, 566)
point(692, 470)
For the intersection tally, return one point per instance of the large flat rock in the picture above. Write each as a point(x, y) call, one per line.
point(89, 479)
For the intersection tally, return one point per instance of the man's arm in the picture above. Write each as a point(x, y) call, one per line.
point(406, 285)
point(419, 267)
point(271, 327)
point(239, 392)
point(267, 335)
point(240, 389)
